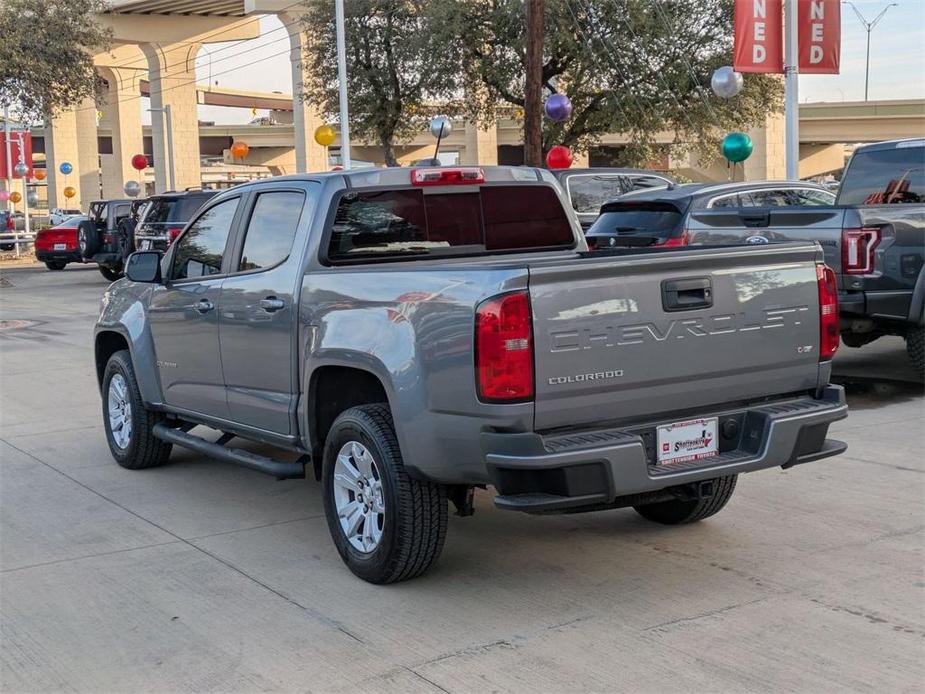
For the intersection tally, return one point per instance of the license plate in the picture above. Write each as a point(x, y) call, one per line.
point(694, 439)
point(60, 246)
point(146, 245)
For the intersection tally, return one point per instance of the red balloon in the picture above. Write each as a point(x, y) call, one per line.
point(139, 162)
point(559, 157)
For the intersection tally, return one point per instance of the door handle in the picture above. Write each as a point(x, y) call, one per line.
point(272, 304)
point(204, 306)
point(687, 294)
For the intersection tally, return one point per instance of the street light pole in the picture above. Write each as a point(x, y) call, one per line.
point(869, 27)
point(342, 84)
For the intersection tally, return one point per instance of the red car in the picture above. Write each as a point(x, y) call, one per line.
point(57, 246)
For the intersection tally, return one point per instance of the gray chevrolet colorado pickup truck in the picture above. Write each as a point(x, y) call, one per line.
point(412, 335)
point(873, 237)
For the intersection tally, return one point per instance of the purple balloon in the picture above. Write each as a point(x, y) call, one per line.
point(558, 107)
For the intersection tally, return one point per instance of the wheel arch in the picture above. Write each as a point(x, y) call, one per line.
point(109, 340)
point(334, 388)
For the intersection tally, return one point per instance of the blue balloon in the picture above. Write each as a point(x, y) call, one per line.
point(65, 167)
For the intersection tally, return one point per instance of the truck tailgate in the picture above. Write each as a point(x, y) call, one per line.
point(657, 333)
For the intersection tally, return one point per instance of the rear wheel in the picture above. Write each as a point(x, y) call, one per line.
point(387, 527)
point(915, 347)
point(680, 511)
point(55, 264)
point(111, 275)
point(128, 423)
point(88, 241)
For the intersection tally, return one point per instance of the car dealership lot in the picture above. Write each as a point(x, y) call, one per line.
point(199, 575)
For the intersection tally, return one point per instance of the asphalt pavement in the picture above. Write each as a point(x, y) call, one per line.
point(199, 576)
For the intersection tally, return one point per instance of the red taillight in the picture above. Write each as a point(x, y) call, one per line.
point(504, 348)
point(682, 240)
point(172, 234)
point(828, 312)
point(857, 250)
point(447, 177)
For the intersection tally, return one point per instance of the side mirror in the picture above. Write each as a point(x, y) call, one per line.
point(144, 266)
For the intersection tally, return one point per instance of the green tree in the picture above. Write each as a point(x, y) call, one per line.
point(46, 54)
point(397, 67)
point(631, 66)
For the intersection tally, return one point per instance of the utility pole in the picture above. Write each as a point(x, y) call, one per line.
point(869, 27)
point(791, 91)
point(533, 83)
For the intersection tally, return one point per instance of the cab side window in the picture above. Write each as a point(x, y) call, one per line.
point(271, 229)
point(807, 196)
point(727, 201)
point(774, 198)
point(200, 250)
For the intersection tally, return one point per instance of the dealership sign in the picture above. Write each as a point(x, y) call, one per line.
point(759, 34)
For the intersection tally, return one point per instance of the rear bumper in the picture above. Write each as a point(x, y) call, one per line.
point(881, 304)
point(46, 256)
point(537, 473)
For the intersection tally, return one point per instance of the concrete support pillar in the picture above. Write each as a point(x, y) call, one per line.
point(481, 145)
point(122, 113)
point(309, 155)
point(61, 146)
point(769, 158)
point(172, 75)
point(88, 152)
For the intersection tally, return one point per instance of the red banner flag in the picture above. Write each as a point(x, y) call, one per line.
point(14, 153)
point(819, 29)
point(759, 36)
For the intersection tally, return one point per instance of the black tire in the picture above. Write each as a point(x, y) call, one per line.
point(110, 274)
point(415, 515)
point(55, 264)
point(143, 450)
point(88, 239)
point(678, 511)
point(915, 347)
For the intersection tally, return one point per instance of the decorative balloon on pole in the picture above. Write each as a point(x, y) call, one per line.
point(737, 147)
point(21, 169)
point(559, 157)
point(39, 174)
point(132, 188)
point(558, 107)
point(139, 162)
point(239, 150)
point(726, 82)
point(325, 135)
point(15, 197)
point(440, 127)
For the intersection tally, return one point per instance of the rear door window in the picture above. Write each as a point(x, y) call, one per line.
point(778, 197)
point(808, 196)
point(271, 229)
point(885, 177)
point(409, 223)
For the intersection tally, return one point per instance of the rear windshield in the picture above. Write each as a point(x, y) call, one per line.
point(660, 219)
point(173, 209)
point(412, 223)
point(884, 177)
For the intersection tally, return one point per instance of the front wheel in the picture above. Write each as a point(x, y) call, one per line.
point(128, 423)
point(55, 264)
point(111, 275)
point(387, 527)
point(915, 347)
point(678, 511)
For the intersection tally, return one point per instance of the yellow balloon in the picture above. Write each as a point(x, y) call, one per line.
point(70, 192)
point(15, 196)
point(324, 135)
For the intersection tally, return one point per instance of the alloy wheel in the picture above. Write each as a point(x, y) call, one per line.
point(358, 497)
point(120, 411)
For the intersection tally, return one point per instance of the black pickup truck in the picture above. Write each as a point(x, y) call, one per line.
point(873, 237)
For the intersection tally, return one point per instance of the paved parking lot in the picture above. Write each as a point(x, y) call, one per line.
point(201, 576)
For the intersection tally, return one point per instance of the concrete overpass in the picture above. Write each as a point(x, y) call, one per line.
point(155, 44)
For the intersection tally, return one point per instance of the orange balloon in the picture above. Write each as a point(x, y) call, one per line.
point(70, 192)
point(15, 196)
point(239, 150)
point(39, 174)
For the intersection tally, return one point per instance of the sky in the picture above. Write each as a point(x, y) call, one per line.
point(897, 61)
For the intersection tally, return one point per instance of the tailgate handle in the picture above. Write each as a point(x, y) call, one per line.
point(687, 294)
point(755, 219)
